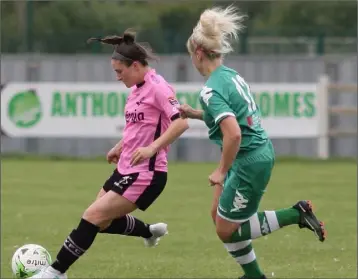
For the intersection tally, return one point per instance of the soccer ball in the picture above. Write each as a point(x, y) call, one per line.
point(29, 259)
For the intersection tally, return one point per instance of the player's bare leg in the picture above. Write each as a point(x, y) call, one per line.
point(109, 207)
point(132, 226)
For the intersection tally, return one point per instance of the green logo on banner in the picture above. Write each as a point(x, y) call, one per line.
point(24, 109)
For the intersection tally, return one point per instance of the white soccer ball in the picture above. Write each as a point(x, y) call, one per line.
point(29, 259)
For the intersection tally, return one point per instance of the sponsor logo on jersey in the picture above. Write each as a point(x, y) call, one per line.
point(173, 101)
point(134, 117)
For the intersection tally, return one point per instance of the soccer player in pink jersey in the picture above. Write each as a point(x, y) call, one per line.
point(152, 123)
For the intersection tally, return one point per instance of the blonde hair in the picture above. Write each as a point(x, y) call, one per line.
point(215, 30)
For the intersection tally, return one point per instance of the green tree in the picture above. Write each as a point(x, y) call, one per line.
point(301, 18)
point(65, 26)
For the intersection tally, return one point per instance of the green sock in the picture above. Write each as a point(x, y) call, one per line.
point(264, 223)
point(287, 216)
point(244, 255)
point(258, 225)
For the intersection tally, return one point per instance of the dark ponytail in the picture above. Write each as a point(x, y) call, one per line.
point(126, 49)
point(110, 40)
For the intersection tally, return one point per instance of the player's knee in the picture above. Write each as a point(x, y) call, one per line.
point(95, 217)
point(223, 233)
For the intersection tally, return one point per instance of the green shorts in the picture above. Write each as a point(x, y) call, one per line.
point(246, 183)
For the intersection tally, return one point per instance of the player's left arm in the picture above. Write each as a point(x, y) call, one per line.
point(168, 104)
point(174, 131)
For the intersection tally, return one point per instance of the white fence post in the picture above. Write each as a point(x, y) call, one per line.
point(323, 117)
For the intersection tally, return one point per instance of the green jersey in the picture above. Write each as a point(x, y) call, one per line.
point(227, 94)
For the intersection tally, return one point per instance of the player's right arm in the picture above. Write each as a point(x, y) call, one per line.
point(187, 111)
point(218, 107)
point(114, 154)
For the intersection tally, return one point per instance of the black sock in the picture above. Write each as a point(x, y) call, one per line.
point(128, 225)
point(75, 245)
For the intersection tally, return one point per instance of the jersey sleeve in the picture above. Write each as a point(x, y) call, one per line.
point(216, 105)
point(168, 103)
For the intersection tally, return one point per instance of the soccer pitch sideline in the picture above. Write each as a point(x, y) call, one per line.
point(42, 201)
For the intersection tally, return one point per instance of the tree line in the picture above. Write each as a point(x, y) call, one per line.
point(64, 26)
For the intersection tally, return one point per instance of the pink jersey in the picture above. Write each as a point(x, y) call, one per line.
point(148, 111)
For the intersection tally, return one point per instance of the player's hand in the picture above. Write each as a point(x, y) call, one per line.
point(186, 111)
point(114, 154)
point(141, 154)
point(217, 178)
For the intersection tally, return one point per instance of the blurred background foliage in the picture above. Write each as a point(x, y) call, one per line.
point(64, 26)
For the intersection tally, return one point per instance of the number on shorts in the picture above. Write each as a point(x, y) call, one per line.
point(244, 91)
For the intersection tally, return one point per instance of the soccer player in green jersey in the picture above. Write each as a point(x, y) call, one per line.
point(247, 160)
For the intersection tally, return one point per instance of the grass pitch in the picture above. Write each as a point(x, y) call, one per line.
point(42, 201)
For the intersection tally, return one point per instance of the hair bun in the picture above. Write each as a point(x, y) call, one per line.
point(129, 36)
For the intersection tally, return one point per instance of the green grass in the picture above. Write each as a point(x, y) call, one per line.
point(42, 201)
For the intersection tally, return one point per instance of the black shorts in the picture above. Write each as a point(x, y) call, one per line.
point(141, 188)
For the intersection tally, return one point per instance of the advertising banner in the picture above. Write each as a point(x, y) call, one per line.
point(96, 110)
